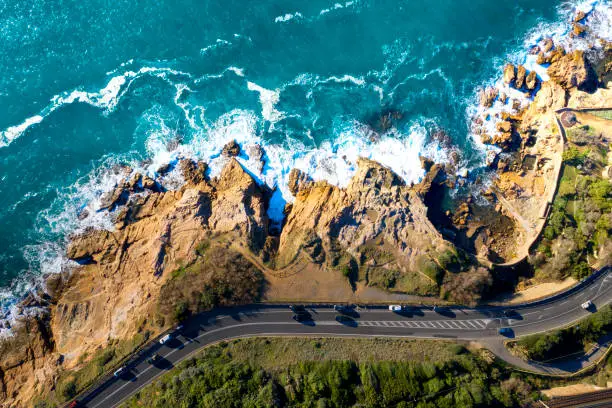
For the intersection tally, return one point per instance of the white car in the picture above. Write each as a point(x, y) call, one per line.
point(119, 372)
point(395, 308)
point(587, 305)
point(165, 339)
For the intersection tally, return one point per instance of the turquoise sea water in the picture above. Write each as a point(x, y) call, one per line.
point(90, 84)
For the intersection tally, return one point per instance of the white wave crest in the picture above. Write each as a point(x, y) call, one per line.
point(268, 100)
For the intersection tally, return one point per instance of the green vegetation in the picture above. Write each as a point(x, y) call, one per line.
point(546, 346)
point(218, 276)
point(604, 114)
point(578, 228)
point(245, 373)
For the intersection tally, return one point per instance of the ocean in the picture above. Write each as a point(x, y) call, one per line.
point(86, 86)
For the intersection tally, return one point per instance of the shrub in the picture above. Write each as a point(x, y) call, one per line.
point(181, 311)
point(69, 389)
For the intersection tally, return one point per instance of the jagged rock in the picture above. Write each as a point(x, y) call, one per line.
point(521, 74)
point(531, 81)
point(231, 149)
point(112, 199)
point(509, 74)
point(503, 98)
point(504, 126)
point(487, 96)
point(547, 44)
point(580, 15)
point(193, 173)
point(426, 163)
point(90, 243)
point(326, 221)
point(503, 140)
point(577, 30)
point(572, 71)
point(486, 138)
point(149, 184)
point(298, 180)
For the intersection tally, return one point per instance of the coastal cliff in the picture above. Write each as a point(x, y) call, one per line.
point(173, 252)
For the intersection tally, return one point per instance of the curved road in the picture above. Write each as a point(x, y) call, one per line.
point(479, 324)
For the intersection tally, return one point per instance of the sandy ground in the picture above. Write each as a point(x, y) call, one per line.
point(571, 390)
point(537, 291)
point(316, 284)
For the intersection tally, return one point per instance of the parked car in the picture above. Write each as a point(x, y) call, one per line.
point(74, 404)
point(395, 308)
point(587, 305)
point(119, 372)
point(166, 338)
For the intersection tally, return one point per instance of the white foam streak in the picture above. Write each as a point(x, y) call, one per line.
point(268, 99)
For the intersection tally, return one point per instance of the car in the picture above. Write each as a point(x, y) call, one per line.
point(74, 404)
point(346, 320)
point(154, 359)
point(119, 372)
point(297, 308)
point(166, 338)
point(302, 317)
point(395, 308)
point(179, 328)
point(506, 331)
point(587, 305)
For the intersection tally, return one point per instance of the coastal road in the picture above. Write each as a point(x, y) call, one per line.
point(454, 323)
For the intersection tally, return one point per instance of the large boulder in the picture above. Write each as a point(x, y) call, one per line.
point(509, 74)
point(531, 81)
point(521, 74)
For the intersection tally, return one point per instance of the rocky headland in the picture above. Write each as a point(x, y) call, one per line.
point(210, 243)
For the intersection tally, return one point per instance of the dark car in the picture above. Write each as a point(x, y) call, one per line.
point(346, 320)
point(155, 358)
point(506, 332)
point(297, 308)
point(346, 310)
point(302, 317)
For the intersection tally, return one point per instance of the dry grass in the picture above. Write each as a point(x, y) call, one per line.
point(277, 353)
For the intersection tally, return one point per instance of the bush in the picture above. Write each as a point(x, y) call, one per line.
point(467, 287)
point(69, 389)
point(181, 311)
point(574, 156)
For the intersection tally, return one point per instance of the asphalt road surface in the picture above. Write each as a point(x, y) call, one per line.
point(420, 322)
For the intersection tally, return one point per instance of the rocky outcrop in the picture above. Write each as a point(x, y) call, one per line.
point(327, 222)
point(573, 71)
point(488, 96)
point(521, 74)
point(231, 149)
point(509, 74)
point(298, 180)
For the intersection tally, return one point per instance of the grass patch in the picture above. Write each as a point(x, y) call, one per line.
point(336, 373)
